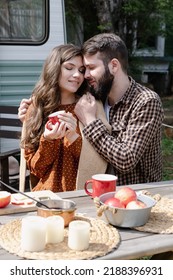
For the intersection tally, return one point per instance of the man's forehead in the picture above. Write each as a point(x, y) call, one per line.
point(92, 60)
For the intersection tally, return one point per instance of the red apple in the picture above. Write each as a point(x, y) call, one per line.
point(136, 205)
point(114, 202)
point(125, 195)
point(5, 198)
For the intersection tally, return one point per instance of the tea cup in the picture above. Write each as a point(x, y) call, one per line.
point(100, 184)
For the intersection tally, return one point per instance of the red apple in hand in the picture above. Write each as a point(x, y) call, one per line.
point(125, 195)
point(5, 198)
point(114, 202)
point(137, 204)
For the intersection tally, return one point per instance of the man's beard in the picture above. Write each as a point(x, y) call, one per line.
point(104, 86)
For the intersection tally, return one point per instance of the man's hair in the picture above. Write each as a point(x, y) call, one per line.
point(109, 46)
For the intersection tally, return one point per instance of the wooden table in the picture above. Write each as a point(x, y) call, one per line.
point(134, 244)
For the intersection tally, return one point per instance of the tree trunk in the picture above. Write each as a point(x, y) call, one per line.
point(104, 15)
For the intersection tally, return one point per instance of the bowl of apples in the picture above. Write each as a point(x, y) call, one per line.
point(126, 207)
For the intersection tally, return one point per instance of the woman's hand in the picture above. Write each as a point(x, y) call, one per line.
point(66, 128)
point(56, 131)
point(71, 126)
point(69, 120)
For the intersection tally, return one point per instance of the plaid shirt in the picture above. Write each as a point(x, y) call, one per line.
point(134, 146)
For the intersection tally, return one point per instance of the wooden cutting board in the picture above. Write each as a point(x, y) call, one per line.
point(11, 208)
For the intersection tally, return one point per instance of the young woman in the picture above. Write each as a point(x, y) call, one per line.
point(53, 155)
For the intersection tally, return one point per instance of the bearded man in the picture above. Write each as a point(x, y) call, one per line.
point(135, 113)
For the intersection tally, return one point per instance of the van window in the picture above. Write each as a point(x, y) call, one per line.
point(23, 22)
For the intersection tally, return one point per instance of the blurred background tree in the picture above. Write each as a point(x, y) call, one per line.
point(136, 22)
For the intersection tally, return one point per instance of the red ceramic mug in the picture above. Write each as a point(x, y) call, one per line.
point(53, 119)
point(101, 183)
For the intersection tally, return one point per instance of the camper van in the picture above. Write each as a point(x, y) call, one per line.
point(29, 29)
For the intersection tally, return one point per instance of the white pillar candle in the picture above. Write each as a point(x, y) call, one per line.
point(54, 229)
point(78, 235)
point(33, 234)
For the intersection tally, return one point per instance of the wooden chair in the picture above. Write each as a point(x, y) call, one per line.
point(10, 133)
point(33, 180)
point(23, 167)
point(10, 129)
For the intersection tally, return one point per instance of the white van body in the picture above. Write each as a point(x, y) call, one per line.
point(20, 65)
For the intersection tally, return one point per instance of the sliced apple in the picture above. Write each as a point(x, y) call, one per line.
point(19, 199)
point(5, 198)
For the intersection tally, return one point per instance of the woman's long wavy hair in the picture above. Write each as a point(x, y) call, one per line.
point(46, 95)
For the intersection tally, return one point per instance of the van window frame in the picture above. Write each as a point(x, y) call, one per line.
point(35, 42)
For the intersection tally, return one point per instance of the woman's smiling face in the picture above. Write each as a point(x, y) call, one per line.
point(72, 75)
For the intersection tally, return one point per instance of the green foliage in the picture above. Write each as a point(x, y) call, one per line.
point(135, 66)
point(167, 146)
point(168, 104)
point(101, 28)
point(167, 152)
point(150, 16)
point(171, 67)
point(75, 11)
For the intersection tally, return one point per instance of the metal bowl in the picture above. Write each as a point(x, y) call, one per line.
point(62, 207)
point(122, 217)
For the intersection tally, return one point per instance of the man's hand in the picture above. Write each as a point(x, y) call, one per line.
point(85, 109)
point(24, 105)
